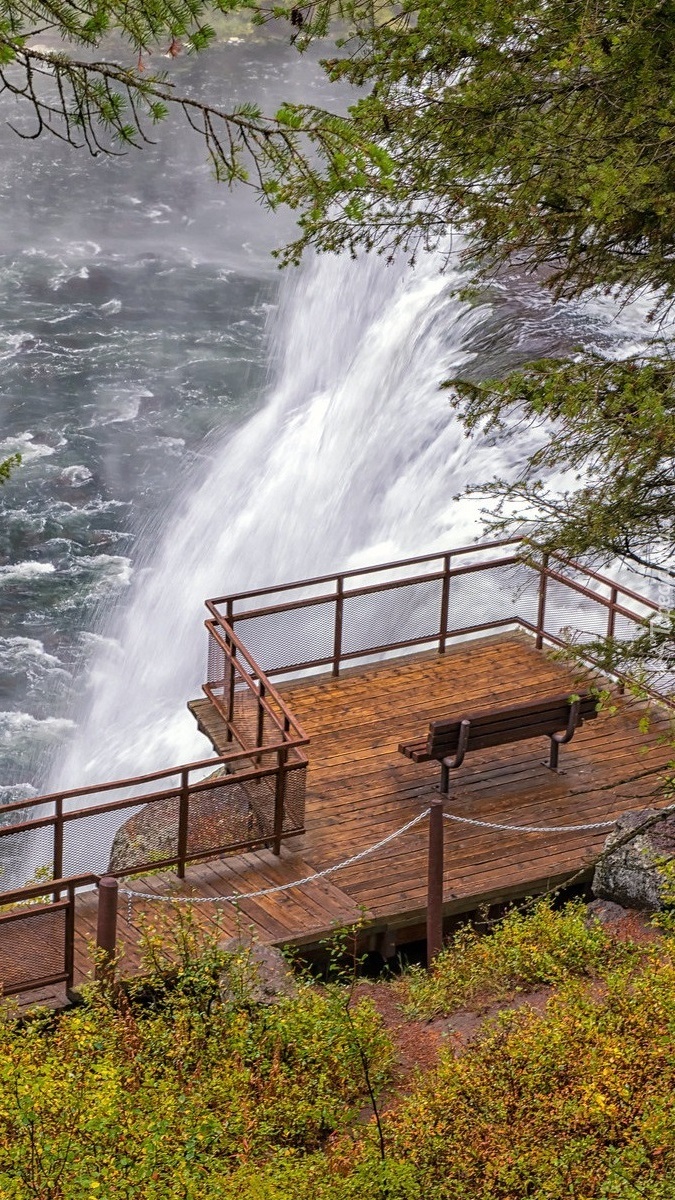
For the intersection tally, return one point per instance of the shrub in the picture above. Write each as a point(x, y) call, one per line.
point(525, 950)
point(161, 1099)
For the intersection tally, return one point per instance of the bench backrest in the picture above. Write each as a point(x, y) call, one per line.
point(497, 727)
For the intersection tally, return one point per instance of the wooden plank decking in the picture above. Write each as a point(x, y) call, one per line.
point(359, 789)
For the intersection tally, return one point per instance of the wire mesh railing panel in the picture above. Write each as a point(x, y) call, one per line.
point(16, 850)
point(218, 668)
point(245, 717)
point(294, 804)
point(279, 641)
point(148, 835)
point(495, 593)
point(223, 815)
point(411, 612)
point(33, 948)
point(572, 616)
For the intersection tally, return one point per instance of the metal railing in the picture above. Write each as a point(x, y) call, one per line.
point(37, 940)
point(327, 623)
point(427, 602)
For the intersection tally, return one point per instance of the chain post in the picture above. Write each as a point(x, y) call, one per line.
point(435, 881)
point(183, 819)
point(106, 925)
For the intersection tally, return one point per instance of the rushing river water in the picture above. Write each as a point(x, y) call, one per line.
point(191, 422)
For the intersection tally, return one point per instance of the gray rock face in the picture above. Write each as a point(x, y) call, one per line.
point(630, 876)
point(257, 974)
point(604, 912)
point(151, 834)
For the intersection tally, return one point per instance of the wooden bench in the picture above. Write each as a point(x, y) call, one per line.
point(555, 717)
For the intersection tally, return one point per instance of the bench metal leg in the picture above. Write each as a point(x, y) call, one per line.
point(455, 760)
point(561, 739)
point(552, 763)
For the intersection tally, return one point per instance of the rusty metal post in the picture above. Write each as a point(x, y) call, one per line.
point(106, 926)
point(280, 799)
point(611, 616)
point(183, 816)
point(541, 609)
point(337, 639)
point(435, 881)
point(69, 946)
point(57, 866)
point(445, 598)
point(230, 698)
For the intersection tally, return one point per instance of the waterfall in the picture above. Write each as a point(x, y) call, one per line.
point(354, 458)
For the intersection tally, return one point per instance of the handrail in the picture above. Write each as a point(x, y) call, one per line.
point(271, 704)
point(301, 737)
point(604, 579)
point(354, 571)
point(132, 782)
point(531, 554)
point(49, 887)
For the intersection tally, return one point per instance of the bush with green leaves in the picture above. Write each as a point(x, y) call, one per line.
point(526, 949)
point(162, 1090)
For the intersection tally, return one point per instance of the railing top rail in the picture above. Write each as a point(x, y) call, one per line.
point(218, 620)
point(603, 601)
point(437, 556)
point(132, 782)
point(49, 887)
point(353, 572)
point(605, 579)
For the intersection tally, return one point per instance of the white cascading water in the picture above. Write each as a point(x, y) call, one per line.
point(354, 459)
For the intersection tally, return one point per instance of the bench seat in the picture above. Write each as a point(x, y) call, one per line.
point(450, 738)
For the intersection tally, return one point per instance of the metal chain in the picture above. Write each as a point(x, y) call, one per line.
point(529, 828)
point(280, 887)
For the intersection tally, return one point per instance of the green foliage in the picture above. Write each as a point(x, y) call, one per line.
point(545, 131)
point(578, 1103)
point(8, 465)
point(524, 950)
point(610, 423)
point(163, 1091)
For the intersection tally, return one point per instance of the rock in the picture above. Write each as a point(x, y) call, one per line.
point(256, 974)
point(605, 912)
point(151, 834)
point(630, 876)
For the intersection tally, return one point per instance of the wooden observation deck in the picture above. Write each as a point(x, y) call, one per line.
point(323, 739)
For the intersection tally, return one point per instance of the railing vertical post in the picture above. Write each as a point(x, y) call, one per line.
point(106, 925)
point(57, 864)
point(611, 615)
point(445, 600)
point(69, 946)
point(280, 799)
point(435, 881)
point(230, 699)
point(541, 607)
point(337, 640)
point(183, 817)
point(260, 728)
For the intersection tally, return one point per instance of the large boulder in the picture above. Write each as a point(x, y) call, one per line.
point(256, 974)
point(631, 874)
point(216, 818)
